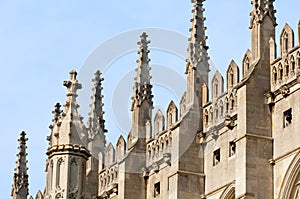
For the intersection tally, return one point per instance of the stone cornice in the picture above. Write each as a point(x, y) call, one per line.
point(68, 149)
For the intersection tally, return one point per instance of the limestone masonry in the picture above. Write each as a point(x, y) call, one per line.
point(241, 142)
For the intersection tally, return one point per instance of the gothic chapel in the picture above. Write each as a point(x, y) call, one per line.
point(218, 144)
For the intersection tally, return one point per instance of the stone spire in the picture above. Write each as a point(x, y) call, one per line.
point(142, 87)
point(197, 49)
point(20, 181)
point(261, 9)
point(96, 122)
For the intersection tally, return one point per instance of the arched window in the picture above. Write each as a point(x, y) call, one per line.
point(287, 68)
point(211, 115)
point(247, 63)
point(221, 109)
point(274, 75)
point(59, 172)
point(293, 64)
point(216, 86)
point(205, 118)
point(226, 105)
point(216, 112)
point(286, 42)
point(232, 104)
point(280, 72)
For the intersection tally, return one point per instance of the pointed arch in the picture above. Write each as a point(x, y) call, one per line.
point(59, 171)
point(74, 173)
point(211, 114)
point(274, 75)
point(39, 195)
point(293, 64)
point(159, 122)
point(226, 105)
point(247, 62)
point(109, 155)
point(232, 102)
point(121, 148)
point(232, 74)
point(50, 175)
point(290, 184)
point(149, 151)
point(172, 113)
point(216, 109)
point(217, 85)
point(286, 39)
point(162, 144)
point(206, 117)
point(280, 72)
point(221, 106)
point(229, 192)
point(286, 68)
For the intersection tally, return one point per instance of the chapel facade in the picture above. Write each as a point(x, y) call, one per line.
point(218, 143)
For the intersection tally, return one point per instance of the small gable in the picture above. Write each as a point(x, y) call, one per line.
point(159, 122)
point(172, 112)
point(286, 39)
point(217, 85)
point(109, 155)
point(121, 148)
point(232, 75)
point(247, 62)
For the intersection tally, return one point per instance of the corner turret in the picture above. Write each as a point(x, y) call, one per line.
point(67, 153)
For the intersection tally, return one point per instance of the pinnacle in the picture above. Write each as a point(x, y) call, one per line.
point(20, 180)
point(262, 8)
point(142, 86)
point(96, 123)
point(197, 42)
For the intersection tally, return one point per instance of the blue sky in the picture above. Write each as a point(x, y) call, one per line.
point(41, 41)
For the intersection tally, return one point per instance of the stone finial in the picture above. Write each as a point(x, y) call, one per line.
point(143, 70)
point(261, 9)
point(72, 86)
point(96, 122)
point(198, 27)
point(142, 87)
point(20, 180)
point(197, 42)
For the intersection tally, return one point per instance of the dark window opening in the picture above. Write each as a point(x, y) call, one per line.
point(156, 189)
point(287, 117)
point(232, 148)
point(217, 157)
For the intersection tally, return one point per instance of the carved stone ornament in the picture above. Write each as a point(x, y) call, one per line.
point(284, 90)
point(229, 122)
point(201, 137)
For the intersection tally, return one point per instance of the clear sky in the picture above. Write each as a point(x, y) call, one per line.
point(41, 41)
